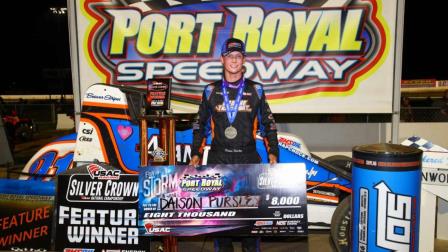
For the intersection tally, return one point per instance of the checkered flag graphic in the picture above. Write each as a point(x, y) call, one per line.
point(422, 144)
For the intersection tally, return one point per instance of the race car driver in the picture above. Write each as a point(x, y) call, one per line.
point(233, 110)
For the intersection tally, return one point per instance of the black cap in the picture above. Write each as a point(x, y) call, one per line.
point(233, 45)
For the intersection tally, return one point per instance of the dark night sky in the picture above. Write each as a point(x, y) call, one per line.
point(37, 42)
point(424, 46)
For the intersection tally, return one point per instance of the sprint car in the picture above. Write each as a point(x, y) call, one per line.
point(109, 133)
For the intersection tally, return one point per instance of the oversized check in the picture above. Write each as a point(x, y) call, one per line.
point(256, 199)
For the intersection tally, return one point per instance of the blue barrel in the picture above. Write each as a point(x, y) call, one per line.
point(386, 182)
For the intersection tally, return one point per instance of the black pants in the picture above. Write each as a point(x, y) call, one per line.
point(215, 157)
point(248, 244)
point(224, 244)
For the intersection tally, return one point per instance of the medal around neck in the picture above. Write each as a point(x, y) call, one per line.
point(230, 132)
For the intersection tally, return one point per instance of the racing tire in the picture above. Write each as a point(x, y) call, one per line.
point(341, 161)
point(341, 225)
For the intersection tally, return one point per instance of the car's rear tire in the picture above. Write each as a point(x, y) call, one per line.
point(340, 161)
point(340, 225)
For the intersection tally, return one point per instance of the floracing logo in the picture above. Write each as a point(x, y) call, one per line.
point(96, 171)
point(300, 47)
point(198, 183)
point(151, 229)
point(396, 219)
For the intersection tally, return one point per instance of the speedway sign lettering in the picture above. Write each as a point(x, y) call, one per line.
point(250, 22)
point(304, 53)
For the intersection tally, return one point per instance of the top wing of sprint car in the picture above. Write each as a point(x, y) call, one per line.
point(109, 133)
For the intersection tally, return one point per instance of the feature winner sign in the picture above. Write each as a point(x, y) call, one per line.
point(322, 56)
point(97, 210)
point(223, 199)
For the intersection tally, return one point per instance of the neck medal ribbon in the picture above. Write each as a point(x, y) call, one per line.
point(231, 132)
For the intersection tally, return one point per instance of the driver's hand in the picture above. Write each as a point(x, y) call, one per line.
point(195, 160)
point(272, 159)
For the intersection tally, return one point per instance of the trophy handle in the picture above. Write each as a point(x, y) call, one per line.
point(167, 142)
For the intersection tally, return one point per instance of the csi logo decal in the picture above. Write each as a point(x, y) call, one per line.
point(151, 229)
point(394, 219)
point(96, 171)
point(87, 131)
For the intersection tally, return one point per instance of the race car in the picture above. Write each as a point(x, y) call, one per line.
point(109, 133)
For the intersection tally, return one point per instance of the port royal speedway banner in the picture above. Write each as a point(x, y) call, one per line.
point(257, 199)
point(312, 56)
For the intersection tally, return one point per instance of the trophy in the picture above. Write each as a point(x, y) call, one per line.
point(157, 104)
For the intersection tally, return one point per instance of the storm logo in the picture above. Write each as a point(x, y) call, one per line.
point(394, 223)
point(96, 171)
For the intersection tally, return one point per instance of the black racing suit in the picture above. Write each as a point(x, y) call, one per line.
point(253, 115)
